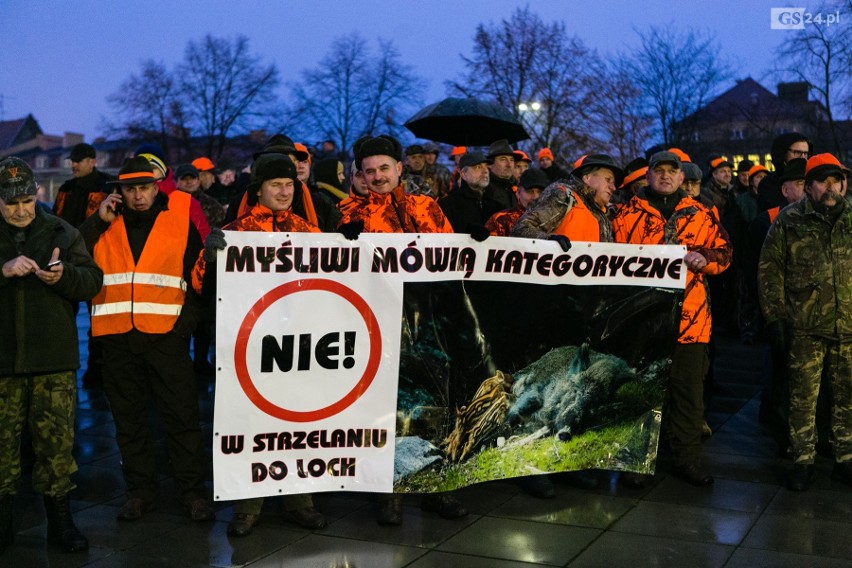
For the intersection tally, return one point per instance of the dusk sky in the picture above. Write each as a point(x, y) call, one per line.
point(61, 59)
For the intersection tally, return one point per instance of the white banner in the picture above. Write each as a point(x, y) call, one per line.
point(308, 343)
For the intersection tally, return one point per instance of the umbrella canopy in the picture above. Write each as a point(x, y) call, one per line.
point(466, 122)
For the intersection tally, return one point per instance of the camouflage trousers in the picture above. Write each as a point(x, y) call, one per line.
point(46, 404)
point(809, 356)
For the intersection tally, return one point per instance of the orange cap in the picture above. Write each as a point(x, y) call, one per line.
point(545, 153)
point(640, 173)
point(822, 164)
point(579, 161)
point(458, 151)
point(203, 164)
point(720, 162)
point(522, 156)
point(755, 169)
point(302, 148)
point(684, 157)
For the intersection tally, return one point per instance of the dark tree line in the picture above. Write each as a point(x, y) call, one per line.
point(569, 97)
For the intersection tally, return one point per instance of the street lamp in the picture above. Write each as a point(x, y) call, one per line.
point(532, 122)
point(534, 106)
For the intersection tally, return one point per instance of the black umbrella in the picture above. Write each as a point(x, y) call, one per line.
point(466, 122)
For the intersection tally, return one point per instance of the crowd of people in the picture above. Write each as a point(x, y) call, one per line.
point(765, 254)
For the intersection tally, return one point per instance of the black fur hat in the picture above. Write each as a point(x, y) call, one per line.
point(383, 145)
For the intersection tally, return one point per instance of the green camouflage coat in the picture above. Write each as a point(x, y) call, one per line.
point(804, 272)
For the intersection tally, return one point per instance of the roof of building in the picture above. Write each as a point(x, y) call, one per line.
point(749, 100)
point(14, 132)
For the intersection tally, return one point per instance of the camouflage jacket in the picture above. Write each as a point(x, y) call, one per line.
point(803, 274)
point(396, 212)
point(691, 225)
point(544, 216)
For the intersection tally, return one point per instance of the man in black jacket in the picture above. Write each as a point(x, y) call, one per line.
point(468, 208)
point(76, 199)
point(502, 169)
point(46, 270)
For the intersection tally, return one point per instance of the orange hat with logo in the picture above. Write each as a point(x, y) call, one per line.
point(545, 153)
point(458, 151)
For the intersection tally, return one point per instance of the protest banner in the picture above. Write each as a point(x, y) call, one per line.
point(407, 362)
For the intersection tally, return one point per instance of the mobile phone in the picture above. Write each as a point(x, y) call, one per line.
point(118, 207)
point(54, 263)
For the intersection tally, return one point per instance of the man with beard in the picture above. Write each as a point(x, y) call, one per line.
point(803, 286)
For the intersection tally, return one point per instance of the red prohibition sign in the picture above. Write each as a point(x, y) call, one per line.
point(273, 296)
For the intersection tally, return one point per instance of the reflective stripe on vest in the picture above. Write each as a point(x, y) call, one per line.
point(580, 224)
point(147, 296)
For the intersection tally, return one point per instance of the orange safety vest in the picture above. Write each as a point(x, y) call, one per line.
point(773, 213)
point(147, 296)
point(580, 224)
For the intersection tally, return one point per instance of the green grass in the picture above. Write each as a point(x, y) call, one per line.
point(621, 446)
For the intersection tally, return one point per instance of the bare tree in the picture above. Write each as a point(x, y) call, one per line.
point(352, 93)
point(678, 72)
point(145, 106)
point(821, 55)
point(623, 124)
point(523, 60)
point(225, 89)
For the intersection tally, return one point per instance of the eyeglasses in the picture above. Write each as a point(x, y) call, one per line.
point(798, 153)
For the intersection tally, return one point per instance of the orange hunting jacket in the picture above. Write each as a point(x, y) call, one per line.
point(396, 212)
point(259, 218)
point(691, 225)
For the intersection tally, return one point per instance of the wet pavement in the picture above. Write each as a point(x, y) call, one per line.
point(746, 519)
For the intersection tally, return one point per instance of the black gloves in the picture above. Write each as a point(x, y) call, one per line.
point(351, 230)
point(214, 242)
point(563, 241)
point(479, 233)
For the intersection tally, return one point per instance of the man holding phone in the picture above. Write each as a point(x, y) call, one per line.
point(45, 272)
point(146, 245)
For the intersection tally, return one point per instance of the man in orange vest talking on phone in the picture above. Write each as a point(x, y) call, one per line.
point(145, 244)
